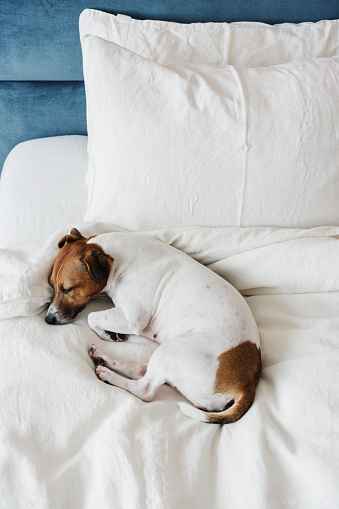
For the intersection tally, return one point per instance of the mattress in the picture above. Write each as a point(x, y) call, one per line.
point(42, 188)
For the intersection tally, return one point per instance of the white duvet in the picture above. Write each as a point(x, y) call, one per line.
point(69, 441)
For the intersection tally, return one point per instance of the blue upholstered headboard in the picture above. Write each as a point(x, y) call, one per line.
point(41, 88)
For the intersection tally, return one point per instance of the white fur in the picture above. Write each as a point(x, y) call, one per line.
point(163, 294)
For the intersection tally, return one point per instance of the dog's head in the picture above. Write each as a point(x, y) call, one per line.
point(80, 271)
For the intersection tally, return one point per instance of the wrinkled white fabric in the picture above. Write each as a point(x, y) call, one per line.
point(264, 138)
point(244, 44)
point(254, 260)
point(69, 440)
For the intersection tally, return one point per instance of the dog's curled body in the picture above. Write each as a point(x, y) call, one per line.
point(209, 341)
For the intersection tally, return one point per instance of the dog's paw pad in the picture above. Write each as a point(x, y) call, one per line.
point(95, 355)
point(98, 361)
point(116, 336)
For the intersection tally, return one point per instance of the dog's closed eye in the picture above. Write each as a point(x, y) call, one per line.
point(66, 290)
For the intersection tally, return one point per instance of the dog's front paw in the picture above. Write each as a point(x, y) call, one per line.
point(116, 336)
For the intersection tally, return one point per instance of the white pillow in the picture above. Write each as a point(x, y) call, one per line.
point(41, 188)
point(207, 145)
point(245, 44)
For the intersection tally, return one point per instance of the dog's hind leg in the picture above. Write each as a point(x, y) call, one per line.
point(144, 388)
point(101, 358)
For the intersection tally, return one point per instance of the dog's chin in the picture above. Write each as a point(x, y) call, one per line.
point(73, 317)
point(64, 321)
point(77, 311)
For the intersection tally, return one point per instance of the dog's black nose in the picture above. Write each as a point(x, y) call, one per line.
point(51, 319)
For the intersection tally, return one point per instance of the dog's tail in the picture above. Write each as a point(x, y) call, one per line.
point(242, 403)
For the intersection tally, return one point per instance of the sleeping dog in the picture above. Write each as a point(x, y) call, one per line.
point(209, 342)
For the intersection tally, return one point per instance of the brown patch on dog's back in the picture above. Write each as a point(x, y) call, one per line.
point(238, 366)
point(237, 375)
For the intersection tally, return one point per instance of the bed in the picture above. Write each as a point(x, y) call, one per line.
point(220, 121)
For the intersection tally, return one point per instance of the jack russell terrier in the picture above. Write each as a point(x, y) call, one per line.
point(209, 342)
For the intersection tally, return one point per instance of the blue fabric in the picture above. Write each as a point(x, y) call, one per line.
point(38, 109)
point(39, 41)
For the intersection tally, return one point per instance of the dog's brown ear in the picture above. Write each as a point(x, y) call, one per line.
point(72, 237)
point(98, 264)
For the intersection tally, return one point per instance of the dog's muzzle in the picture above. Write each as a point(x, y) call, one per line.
point(54, 319)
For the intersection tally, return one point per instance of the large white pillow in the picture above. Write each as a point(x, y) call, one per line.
point(207, 145)
point(245, 44)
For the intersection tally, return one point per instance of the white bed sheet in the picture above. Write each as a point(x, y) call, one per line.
point(42, 188)
point(68, 440)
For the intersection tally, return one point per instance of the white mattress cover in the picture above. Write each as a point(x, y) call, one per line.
point(41, 188)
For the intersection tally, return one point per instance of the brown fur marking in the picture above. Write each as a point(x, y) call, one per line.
point(237, 375)
point(70, 272)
